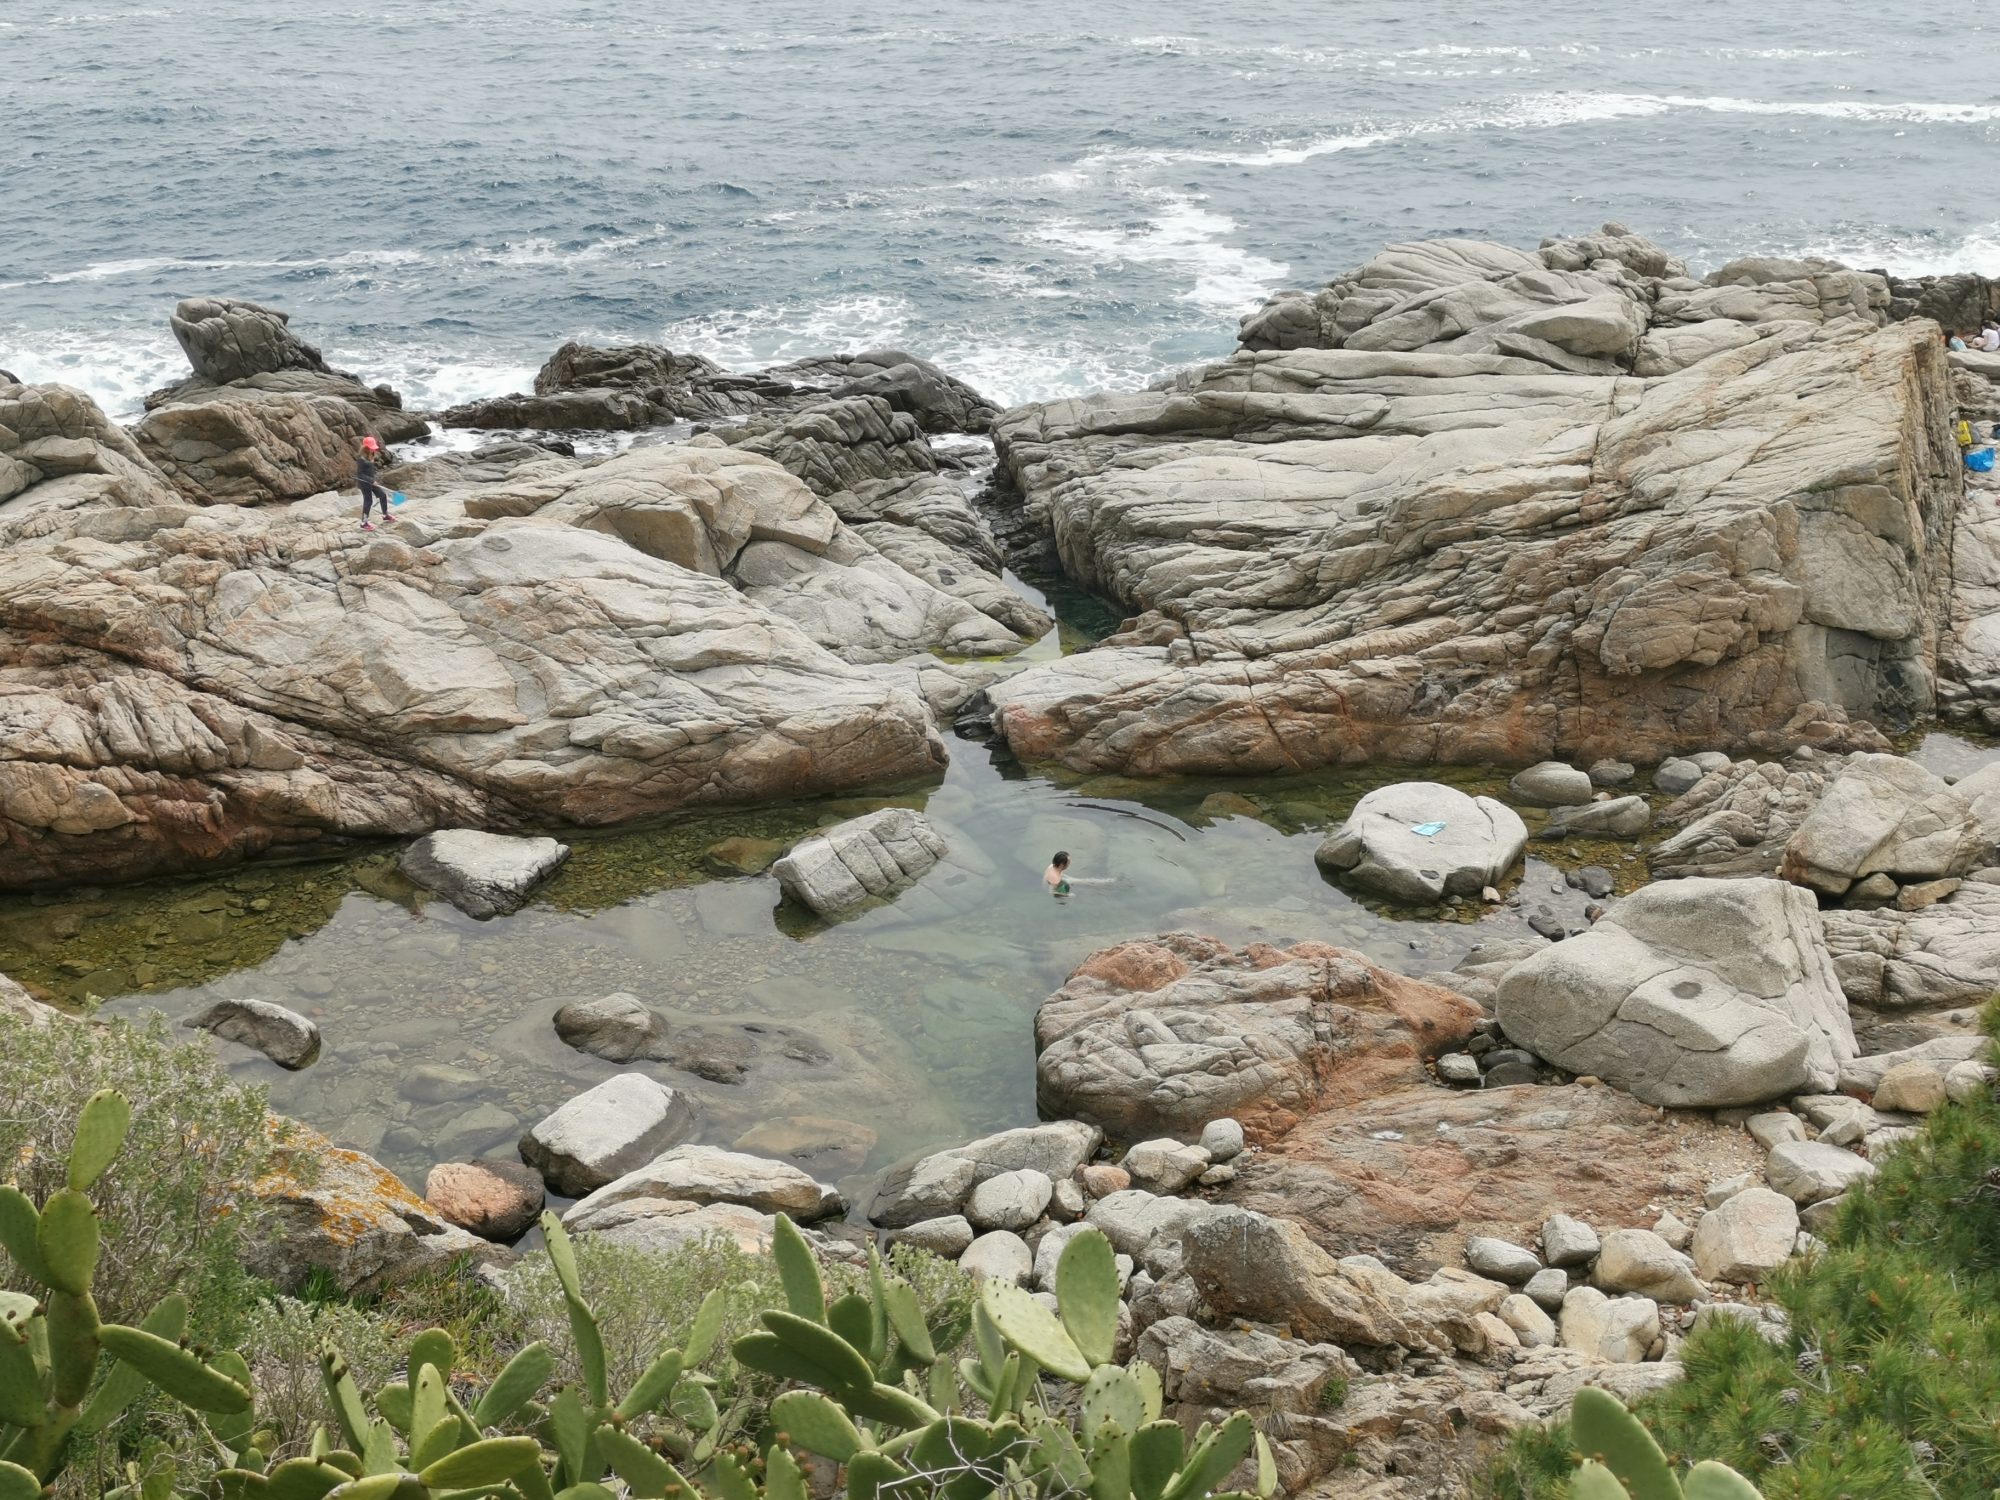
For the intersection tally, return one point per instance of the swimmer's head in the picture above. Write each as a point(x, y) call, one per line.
point(1061, 861)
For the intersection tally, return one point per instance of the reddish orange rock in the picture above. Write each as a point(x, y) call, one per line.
point(1162, 1035)
point(496, 1200)
point(1101, 1179)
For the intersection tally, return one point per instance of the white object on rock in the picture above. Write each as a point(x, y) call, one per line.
point(1379, 849)
point(482, 874)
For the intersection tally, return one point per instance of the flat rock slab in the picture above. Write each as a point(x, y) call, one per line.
point(286, 1037)
point(1690, 993)
point(839, 869)
point(709, 1174)
point(1396, 1174)
point(1884, 815)
point(1160, 1036)
point(482, 874)
point(663, 1225)
point(1380, 847)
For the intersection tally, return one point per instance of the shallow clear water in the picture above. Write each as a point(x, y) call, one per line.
point(1046, 197)
point(922, 1006)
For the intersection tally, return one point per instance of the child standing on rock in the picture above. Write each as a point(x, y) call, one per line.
point(365, 476)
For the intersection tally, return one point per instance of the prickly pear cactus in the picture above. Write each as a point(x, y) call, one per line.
point(51, 1338)
point(1622, 1462)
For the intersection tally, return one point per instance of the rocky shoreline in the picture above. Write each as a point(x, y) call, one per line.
point(1688, 552)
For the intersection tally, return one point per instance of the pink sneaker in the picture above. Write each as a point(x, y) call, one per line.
point(367, 526)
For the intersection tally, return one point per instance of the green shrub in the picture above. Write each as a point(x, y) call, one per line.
point(1889, 1384)
point(645, 1299)
point(173, 1208)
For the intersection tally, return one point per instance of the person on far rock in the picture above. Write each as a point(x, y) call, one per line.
point(1955, 342)
point(1989, 337)
point(365, 475)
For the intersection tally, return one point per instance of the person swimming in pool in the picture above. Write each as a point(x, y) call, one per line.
point(1056, 876)
point(1059, 880)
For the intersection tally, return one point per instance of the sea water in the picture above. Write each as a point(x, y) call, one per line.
point(1044, 197)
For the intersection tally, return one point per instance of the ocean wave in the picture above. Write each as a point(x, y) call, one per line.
point(115, 270)
point(1548, 111)
point(1227, 278)
point(1913, 255)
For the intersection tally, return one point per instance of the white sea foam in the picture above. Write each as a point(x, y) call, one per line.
point(1182, 234)
point(1977, 250)
point(115, 369)
point(1550, 111)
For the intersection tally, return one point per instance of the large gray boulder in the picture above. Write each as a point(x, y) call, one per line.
point(253, 447)
point(1693, 993)
point(482, 874)
point(1379, 849)
point(606, 1132)
point(873, 855)
point(1885, 815)
point(286, 1037)
point(226, 338)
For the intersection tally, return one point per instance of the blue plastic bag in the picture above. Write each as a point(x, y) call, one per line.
point(1980, 460)
point(1427, 830)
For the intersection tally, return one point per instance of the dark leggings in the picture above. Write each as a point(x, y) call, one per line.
point(376, 494)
